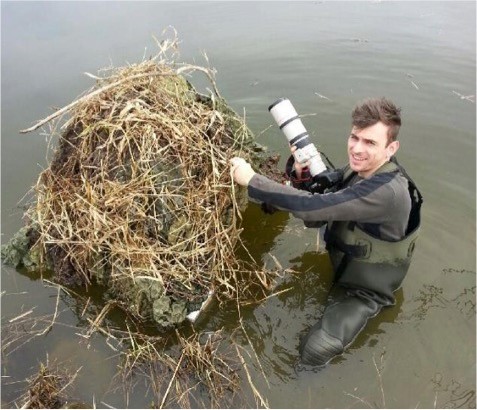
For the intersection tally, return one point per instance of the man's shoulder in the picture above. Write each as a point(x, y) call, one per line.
point(378, 180)
point(387, 188)
point(400, 187)
point(393, 180)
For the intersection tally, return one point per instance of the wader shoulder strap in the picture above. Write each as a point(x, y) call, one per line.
point(416, 200)
point(415, 194)
point(348, 174)
point(389, 166)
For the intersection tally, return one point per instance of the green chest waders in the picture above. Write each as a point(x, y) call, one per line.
point(369, 270)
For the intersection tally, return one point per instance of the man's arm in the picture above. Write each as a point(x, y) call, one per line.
point(369, 201)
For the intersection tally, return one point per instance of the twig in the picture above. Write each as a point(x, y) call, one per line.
point(47, 329)
point(465, 97)
point(359, 399)
point(249, 378)
point(87, 97)
point(380, 379)
point(279, 265)
point(207, 71)
point(322, 96)
point(263, 131)
point(170, 382)
point(268, 297)
point(20, 316)
point(95, 325)
point(254, 352)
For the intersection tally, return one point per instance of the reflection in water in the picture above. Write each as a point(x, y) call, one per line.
point(68, 353)
point(84, 303)
point(438, 295)
point(460, 396)
point(261, 230)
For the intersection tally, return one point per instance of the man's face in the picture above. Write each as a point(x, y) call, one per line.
point(367, 149)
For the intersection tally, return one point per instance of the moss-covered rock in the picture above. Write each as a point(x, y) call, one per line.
point(19, 252)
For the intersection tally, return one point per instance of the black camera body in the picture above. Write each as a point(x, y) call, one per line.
point(326, 181)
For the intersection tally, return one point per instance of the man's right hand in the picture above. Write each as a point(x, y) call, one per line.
point(299, 167)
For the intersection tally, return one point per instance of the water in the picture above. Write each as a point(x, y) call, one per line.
point(420, 54)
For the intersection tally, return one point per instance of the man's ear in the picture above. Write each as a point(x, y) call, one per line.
point(392, 148)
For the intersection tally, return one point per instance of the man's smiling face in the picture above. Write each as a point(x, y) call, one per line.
point(368, 149)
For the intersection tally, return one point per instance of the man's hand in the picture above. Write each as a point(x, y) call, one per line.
point(241, 171)
point(299, 167)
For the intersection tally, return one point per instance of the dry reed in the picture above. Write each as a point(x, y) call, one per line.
point(138, 195)
point(48, 388)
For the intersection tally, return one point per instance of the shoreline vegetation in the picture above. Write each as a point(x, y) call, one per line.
point(138, 200)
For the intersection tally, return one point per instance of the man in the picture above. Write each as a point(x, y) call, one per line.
point(372, 217)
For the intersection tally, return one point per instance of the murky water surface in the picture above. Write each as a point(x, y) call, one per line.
point(324, 56)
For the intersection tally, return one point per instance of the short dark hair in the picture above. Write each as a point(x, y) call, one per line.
point(372, 110)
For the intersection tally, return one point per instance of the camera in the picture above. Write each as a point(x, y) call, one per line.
point(290, 123)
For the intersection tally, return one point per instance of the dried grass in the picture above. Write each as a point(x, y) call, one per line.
point(48, 388)
point(200, 371)
point(138, 195)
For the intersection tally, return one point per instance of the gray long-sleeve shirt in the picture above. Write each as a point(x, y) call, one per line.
point(380, 205)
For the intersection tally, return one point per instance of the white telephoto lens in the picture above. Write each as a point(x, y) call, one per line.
point(306, 153)
point(293, 129)
point(287, 119)
point(283, 111)
point(317, 166)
